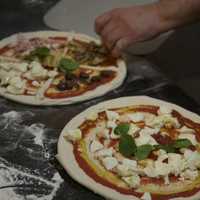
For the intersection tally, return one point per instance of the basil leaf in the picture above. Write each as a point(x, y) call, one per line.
point(68, 65)
point(169, 148)
point(121, 129)
point(41, 52)
point(127, 146)
point(143, 151)
point(182, 143)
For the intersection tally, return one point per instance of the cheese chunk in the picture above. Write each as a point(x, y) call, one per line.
point(21, 67)
point(133, 129)
point(162, 120)
point(146, 196)
point(73, 135)
point(164, 110)
point(149, 131)
point(136, 117)
point(92, 116)
point(52, 73)
point(162, 169)
point(190, 174)
point(193, 159)
point(145, 139)
point(132, 181)
point(111, 115)
point(16, 85)
point(131, 164)
point(95, 146)
point(105, 152)
point(6, 76)
point(109, 162)
point(176, 163)
point(111, 124)
point(37, 71)
point(188, 136)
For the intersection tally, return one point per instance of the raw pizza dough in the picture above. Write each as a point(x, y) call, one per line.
point(99, 91)
point(65, 149)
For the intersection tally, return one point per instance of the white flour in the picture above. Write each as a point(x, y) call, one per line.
point(33, 142)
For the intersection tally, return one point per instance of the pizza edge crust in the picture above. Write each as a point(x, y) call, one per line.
point(99, 91)
point(70, 164)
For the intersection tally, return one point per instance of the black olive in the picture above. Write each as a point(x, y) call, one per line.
point(62, 86)
point(70, 76)
point(95, 79)
point(106, 73)
point(84, 75)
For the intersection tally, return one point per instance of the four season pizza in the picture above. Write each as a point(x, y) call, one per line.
point(56, 68)
point(139, 151)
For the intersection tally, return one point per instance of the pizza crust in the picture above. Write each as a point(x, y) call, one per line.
point(68, 160)
point(99, 91)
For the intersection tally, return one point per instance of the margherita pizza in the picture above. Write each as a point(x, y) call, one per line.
point(49, 68)
point(134, 148)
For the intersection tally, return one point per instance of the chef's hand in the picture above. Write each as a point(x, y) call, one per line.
point(121, 27)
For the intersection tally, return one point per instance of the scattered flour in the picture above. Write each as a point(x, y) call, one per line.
point(34, 144)
point(37, 130)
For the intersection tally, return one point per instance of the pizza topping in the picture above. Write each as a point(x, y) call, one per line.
point(136, 117)
point(37, 71)
point(68, 65)
point(105, 152)
point(16, 86)
point(122, 129)
point(21, 67)
point(95, 146)
point(111, 115)
point(109, 162)
point(38, 54)
point(106, 73)
point(73, 135)
point(133, 181)
point(133, 129)
point(146, 196)
point(163, 110)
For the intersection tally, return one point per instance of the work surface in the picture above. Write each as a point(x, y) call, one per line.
point(28, 136)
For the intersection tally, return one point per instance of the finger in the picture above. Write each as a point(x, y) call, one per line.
point(101, 21)
point(121, 45)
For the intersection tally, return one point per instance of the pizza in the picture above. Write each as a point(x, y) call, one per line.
point(134, 148)
point(51, 67)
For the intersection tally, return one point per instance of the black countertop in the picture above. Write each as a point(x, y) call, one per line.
point(28, 136)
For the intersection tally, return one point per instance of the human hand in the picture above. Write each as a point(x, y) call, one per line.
point(122, 27)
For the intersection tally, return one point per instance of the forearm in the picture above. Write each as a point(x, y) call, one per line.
point(175, 13)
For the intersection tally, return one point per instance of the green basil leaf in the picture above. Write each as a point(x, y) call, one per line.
point(143, 151)
point(68, 65)
point(121, 129)
point(169, 148)
point(127, 146)
point(182, 143)
point(41, 52)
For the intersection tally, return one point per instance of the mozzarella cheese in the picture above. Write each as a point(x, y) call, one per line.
point(149, 131)
point(189, 174)
point(73, 134)
point(188, 136)
point(92, 116)
point(105, 152)
point(37, 71)
point(146, 196)
point(136, 117)
point(111, 115)
point(52, 73)
point(111, 124)
point(161, 120)
point(132, 181)
point(133, 129)
point(21, 67)
point(145, 139)
point(16, 85)
point(176, 162)
point(95, 146)
point(109, 162)
point(164, 110)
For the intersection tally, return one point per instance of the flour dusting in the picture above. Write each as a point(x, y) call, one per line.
point(33, 142)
